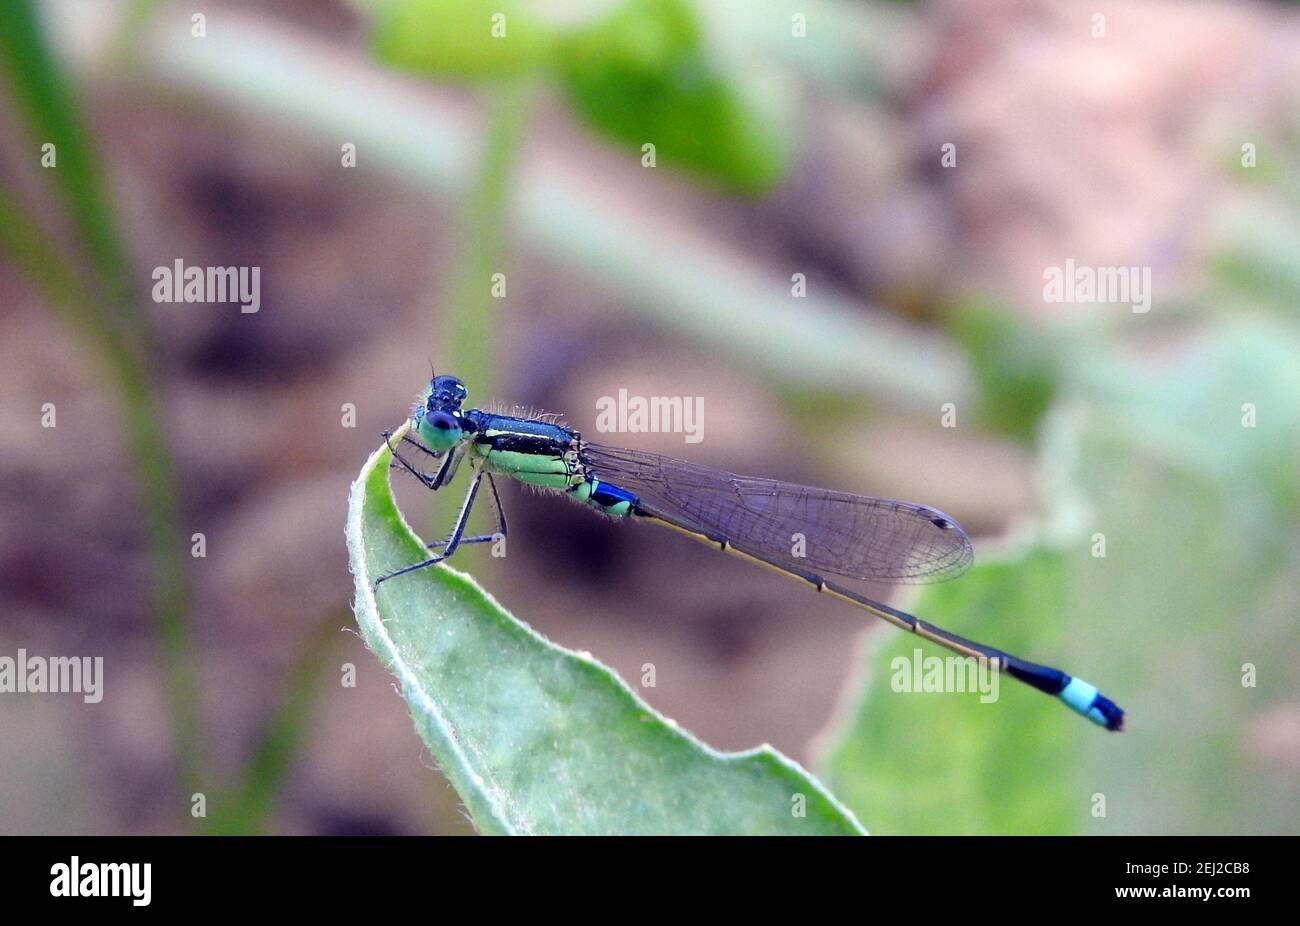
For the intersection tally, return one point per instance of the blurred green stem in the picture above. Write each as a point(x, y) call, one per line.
point(249, 808)
point(473, 317)
point(124, 47)
point(103, 310)
point(465, 344)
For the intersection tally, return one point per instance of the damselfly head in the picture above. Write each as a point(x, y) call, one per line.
point(437, 418)
point(446, 393)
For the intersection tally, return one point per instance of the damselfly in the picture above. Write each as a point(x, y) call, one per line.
point(799, 531)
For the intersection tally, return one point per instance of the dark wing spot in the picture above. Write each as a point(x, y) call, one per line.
point(941, 522)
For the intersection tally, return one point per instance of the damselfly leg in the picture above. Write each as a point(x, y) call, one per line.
point(452, 542)
point(482, 538)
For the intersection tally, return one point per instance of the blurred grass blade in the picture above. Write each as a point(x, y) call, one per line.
point(537, 739)
point(250, 806)
point(100, 306)
point(39, 89)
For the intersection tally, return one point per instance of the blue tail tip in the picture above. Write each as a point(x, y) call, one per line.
point(1112, 712)
point(1091, 703)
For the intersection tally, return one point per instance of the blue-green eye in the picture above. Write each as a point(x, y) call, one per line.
point(440, 431)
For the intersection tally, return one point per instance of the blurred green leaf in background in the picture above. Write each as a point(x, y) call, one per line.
point(650, 73)
point(1197, 510)
point(640, 72)
point(463, 40)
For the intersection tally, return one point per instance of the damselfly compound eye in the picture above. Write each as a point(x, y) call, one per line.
point(440, 430)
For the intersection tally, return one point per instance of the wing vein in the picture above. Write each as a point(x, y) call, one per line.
point(854, 536)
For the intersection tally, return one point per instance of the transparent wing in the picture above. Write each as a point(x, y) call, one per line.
point(855, 536)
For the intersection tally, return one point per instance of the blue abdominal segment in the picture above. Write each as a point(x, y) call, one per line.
point(1085, 699)
point(607, 498)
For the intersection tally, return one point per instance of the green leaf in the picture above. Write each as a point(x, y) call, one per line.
point(468, 40)
point(1014, 366)
point(537, 739)
point(648, 73)
point(931, 763)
